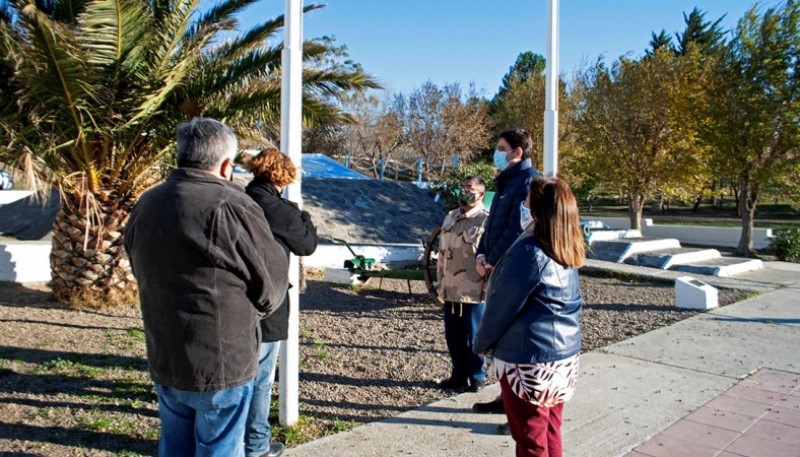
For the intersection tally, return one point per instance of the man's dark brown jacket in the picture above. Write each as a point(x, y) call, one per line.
point(208, 268)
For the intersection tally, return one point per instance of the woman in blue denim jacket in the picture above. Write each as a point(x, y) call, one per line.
point(530, 332)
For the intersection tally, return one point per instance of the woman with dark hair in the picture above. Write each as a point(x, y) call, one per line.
point(530, 331)
point(293, 230)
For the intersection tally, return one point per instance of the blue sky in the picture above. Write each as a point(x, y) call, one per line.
point(404, 43)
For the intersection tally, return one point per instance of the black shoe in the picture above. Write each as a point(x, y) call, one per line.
point(275, 450)
point(476, 385)
point(490, 407)
point(503, 429)
point(452, 384)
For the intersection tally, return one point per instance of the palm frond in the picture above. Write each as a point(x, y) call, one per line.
point(54, 76)
point(109, 30)
point(256, 36)
point(318, 112)
point(247, 99)
point(331, 82)
point(220, 13)
point(65, 11)
point(216, 77)
point(173, 60)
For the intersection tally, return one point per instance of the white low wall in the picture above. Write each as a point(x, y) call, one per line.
point(692, 234)
point(334, 255)
point(25, 262)
point(30, 261)
point(620, 223)
point(10, 196)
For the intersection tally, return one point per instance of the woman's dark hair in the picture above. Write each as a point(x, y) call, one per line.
point(557, 225)
point(519, 138)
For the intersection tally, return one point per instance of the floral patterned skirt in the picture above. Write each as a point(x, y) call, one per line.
point(543, 384)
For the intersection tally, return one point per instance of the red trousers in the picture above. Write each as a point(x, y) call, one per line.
point(535, 429)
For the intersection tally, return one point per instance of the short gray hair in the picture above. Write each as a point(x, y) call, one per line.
point(204, 142)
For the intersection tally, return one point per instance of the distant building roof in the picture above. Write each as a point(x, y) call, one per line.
point(316, 166)
point(322, 166)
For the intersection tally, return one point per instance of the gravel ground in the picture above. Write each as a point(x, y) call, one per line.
point(75, 382)
point(373, 353)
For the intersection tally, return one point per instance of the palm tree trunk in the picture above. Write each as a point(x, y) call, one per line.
point(88, 261)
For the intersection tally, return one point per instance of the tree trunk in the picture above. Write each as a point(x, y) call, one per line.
point(715, 202)
point(696, 206)
point(88, 261)
point(748, 198)
point(658, 205)
point(635, 206)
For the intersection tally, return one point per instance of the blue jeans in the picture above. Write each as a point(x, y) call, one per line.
point(202, 424)
point(257, 434)
point(460, 328)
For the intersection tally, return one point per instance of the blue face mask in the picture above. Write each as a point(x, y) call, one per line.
point(525, 217)
point(500, 160)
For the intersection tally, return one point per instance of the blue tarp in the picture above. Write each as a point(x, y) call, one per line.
point(322, 166)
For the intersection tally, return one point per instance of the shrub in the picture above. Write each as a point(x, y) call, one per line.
point(786, 245)
point(449, 187)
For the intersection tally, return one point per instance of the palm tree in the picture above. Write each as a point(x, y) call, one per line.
point(92, 91)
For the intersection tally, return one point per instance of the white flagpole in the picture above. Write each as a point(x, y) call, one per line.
point(291, 144)
point(551, 92)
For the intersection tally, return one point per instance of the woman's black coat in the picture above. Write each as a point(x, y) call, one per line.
point(294, 231)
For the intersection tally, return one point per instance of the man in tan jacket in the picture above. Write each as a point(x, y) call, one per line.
point(461, 287)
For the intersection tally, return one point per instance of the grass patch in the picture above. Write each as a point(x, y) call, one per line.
point(98, 422)
point(69, 367)
point(45, 343)
point(319, 348)
point(746, 295)
point(308, 429)
point(362, 287)
point(136, 334)
point(132, 391)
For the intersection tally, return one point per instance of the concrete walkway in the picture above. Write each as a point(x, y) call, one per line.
point(631, 391)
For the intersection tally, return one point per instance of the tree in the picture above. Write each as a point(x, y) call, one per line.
point(634, 130)
point(444, 121)
point(527, 64)
point(706, 35)
point(660, 41)
point(754, 100)
point(521, 104)
point(467, 127)
point(99, 87)
point(376, 134)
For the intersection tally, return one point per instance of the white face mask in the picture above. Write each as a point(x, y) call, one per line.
point(525, 217)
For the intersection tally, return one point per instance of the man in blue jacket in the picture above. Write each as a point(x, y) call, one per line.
point(512, 157)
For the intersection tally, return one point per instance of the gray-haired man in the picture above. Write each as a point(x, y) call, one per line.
point(207, 268)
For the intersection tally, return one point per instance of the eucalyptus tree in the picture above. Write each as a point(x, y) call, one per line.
point(753, 118)
point(98, 88)
point(634, 127)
